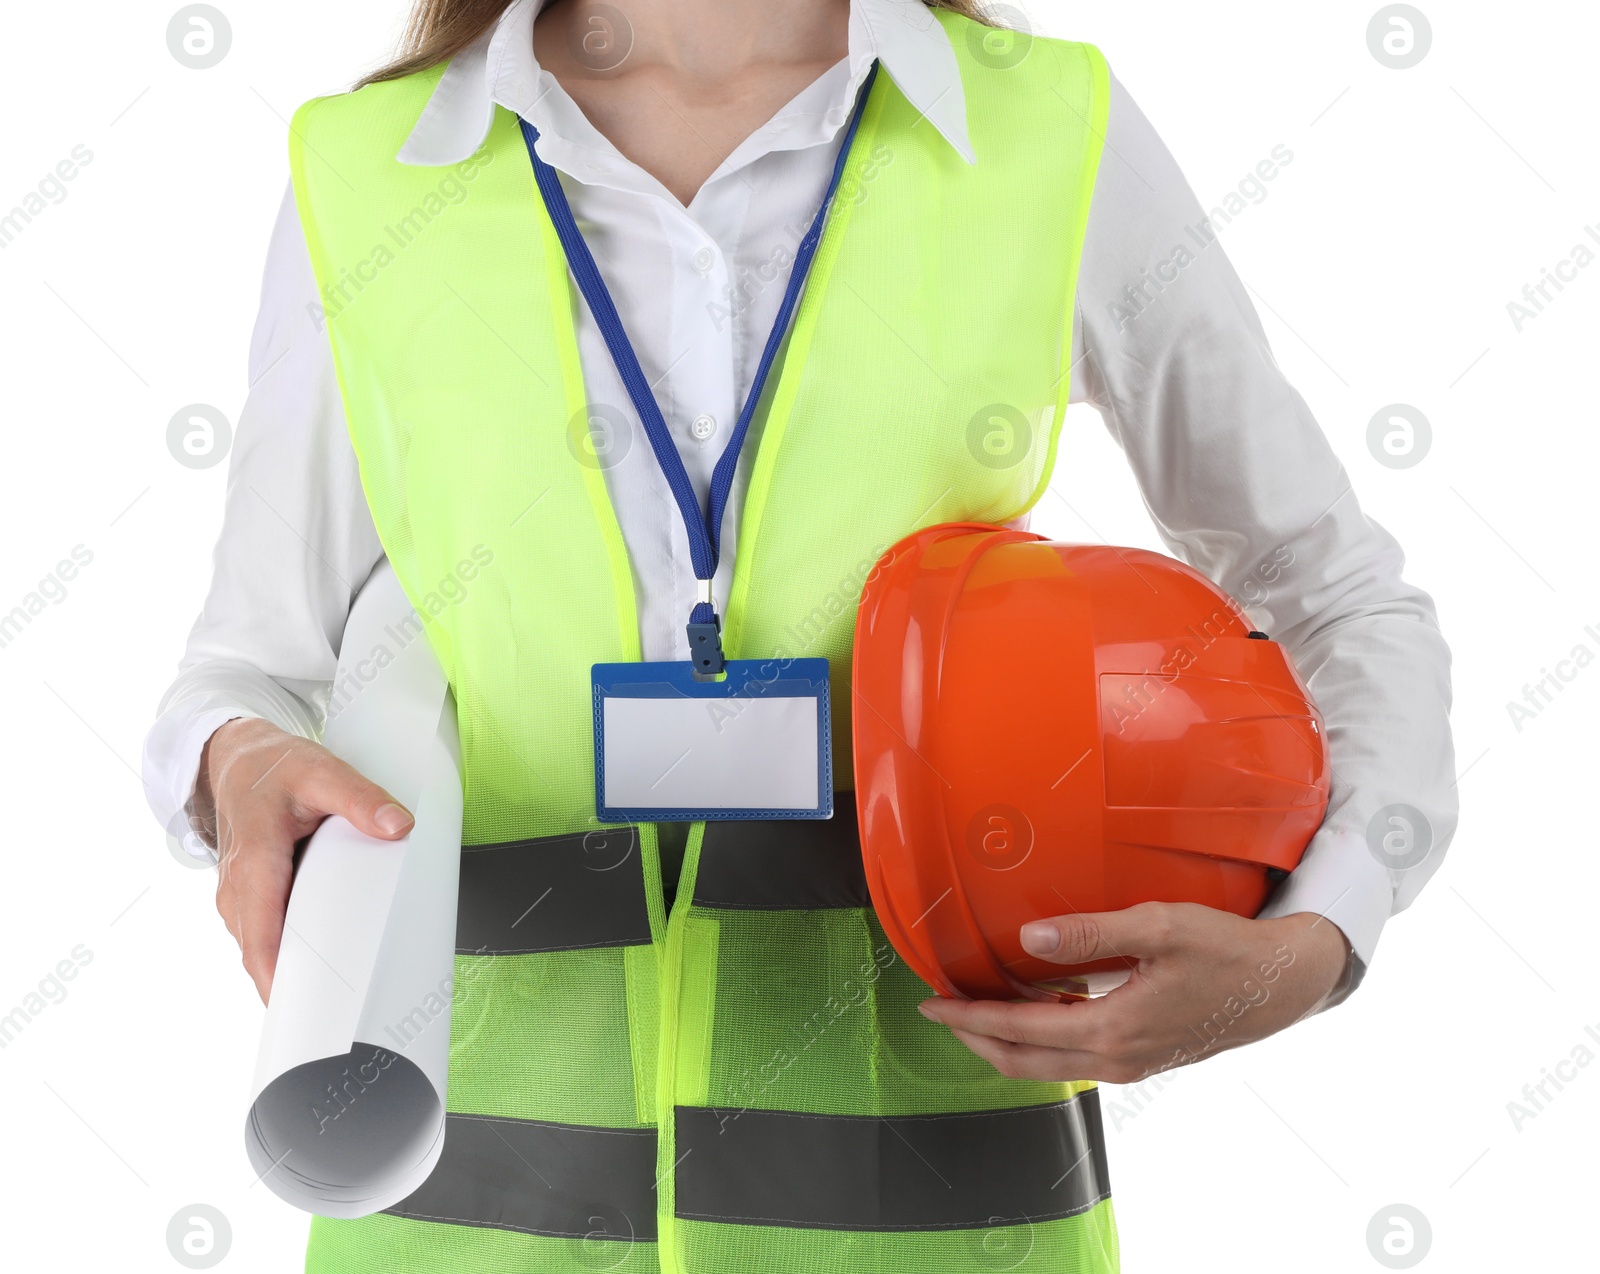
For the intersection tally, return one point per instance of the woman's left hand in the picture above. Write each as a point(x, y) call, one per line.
point(1206, 981)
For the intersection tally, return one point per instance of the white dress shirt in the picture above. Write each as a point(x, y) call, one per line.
point(1239, 478)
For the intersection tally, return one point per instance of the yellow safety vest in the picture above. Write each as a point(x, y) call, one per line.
point(740, 1082)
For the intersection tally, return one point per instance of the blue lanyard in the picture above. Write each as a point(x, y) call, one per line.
point(704, 527)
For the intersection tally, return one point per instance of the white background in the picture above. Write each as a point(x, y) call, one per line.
point(1418, 204)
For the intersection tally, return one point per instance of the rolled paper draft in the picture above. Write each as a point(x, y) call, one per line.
point(347, 1105)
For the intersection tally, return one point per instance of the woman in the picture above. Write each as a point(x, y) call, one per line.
point(709, 1058)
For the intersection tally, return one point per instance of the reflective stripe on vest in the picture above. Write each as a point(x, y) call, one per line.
point(783, 865)
point(925, 1172)
point(553, 893)
point(754, 1167)
point(924, 380)
point(561, 1180)
point(564, 893)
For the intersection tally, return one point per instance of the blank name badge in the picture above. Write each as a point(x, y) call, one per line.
point(670, 748)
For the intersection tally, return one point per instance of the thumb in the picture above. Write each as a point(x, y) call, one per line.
point(1144, 930)
point(334, 787)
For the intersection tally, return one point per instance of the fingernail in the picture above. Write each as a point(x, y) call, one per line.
point(1040, 938)
point(392, 819)
point(926, 1011)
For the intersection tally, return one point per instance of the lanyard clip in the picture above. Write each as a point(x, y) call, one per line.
point(705, 648)
point(705, 635)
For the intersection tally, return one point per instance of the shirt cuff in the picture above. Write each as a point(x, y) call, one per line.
point(1339, 878)
point(203, 699)
point(171, 776)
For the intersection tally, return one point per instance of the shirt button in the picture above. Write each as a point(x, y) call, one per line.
point(704, 259)
point(702, 427)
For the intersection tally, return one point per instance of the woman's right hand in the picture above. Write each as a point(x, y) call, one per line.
point(260, 792)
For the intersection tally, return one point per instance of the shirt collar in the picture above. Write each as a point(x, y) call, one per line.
point(500, 68)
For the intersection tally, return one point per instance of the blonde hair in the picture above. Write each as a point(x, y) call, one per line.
point(439, 29)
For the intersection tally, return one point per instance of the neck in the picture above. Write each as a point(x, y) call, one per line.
point(712, 40)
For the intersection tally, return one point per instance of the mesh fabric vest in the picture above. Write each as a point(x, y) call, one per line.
point(740, 1082)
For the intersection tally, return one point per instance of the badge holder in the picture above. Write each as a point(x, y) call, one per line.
point(673, 747)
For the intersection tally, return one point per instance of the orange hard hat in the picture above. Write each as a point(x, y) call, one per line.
point(1043, 728)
